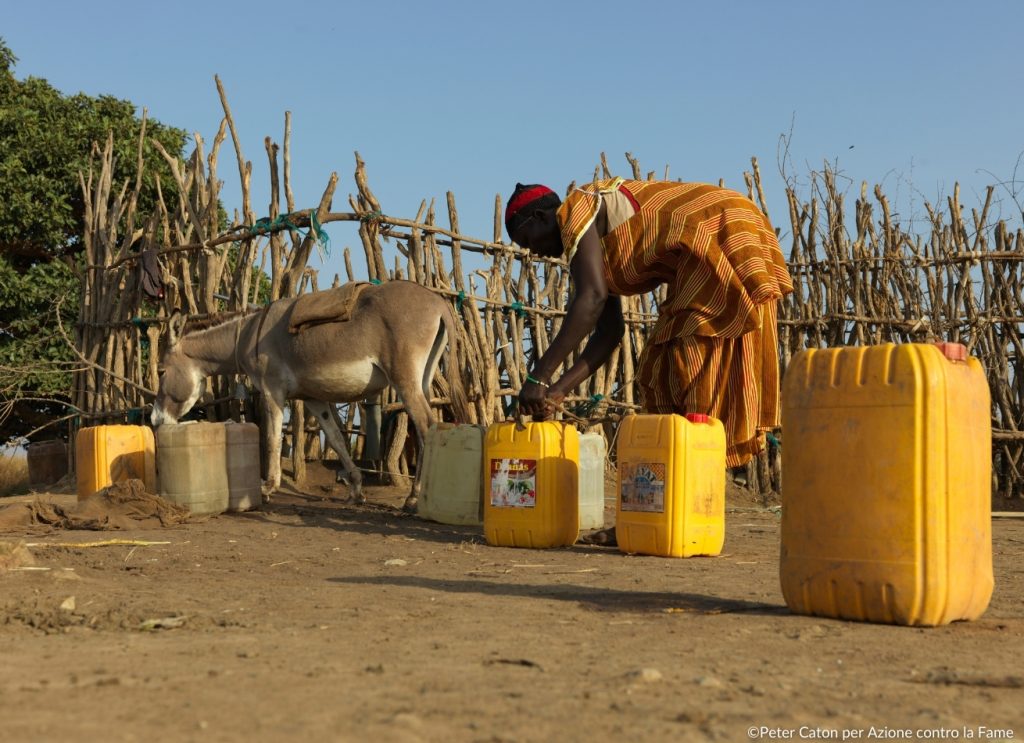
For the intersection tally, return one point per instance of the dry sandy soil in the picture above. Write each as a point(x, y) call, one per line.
point(315, 620)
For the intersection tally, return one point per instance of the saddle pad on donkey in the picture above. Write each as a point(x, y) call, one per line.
point(330, 305)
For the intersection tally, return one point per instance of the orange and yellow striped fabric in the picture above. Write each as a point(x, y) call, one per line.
point(714, 348)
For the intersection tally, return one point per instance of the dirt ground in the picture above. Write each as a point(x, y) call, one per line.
point(316, 620)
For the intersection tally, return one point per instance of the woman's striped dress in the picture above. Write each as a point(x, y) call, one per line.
point(714, 349)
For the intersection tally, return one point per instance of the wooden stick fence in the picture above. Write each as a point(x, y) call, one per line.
point(866, 282)
point(878, 283)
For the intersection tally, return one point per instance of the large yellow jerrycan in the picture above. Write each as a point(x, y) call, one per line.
point(531, 491)
point(886, 462)
point(105, 455)
point(671, 485)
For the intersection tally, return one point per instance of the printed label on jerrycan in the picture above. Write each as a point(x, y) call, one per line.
point(514, 483)
point(643, 487)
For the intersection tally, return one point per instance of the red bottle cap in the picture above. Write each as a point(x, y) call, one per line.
point(953, 351)
point(698, 418)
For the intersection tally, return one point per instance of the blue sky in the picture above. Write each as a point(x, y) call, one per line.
point(473, 96)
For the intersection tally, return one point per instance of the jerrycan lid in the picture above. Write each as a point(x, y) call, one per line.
point(698, 418)
point(952, 351)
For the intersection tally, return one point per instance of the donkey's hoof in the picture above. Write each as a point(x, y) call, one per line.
point(410, 504)
point(356, 498)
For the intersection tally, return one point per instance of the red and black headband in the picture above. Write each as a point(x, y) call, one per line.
point(524, 200)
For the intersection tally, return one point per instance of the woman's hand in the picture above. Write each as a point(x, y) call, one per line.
point(552, 401)
point(539, 400)
point(532, 398)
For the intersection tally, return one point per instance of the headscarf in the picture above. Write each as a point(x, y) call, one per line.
point(523, 202)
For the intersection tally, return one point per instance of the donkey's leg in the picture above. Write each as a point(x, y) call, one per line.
point(411, 373)
point(273, 422)
point(418, 408)
point(330, 428)
point(413, 384)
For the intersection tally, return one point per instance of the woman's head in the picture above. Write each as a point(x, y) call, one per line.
point(530, 219)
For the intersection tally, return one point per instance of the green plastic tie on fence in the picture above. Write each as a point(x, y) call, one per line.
point(284, 221)
point(374, 216)
point(268, 225)
point(772, 440)
point(587, 407)
point(375, 281)
point(516, 307)
point(322, 237)
point(459, 300)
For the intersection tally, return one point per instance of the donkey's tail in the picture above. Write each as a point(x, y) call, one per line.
point(460, 402)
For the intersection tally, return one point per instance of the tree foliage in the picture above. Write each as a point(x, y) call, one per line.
point(29, 301)
point(46, 138)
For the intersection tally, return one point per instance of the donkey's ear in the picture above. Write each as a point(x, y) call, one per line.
point(175, 328)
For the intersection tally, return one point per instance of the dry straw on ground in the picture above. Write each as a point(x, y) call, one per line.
point(13, 472)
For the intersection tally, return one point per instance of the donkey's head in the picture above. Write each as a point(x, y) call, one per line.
point(181, 380)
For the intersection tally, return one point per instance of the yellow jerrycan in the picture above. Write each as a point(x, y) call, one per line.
point(105, 455)
point(671, 485)
point(886, 462)
point(531, 490)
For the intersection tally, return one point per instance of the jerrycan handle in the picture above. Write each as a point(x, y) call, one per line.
point(520, 420)
point(698, 418)
point(952, 351)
